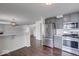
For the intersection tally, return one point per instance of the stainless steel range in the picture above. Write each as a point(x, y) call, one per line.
point(70, 44)
point(70, 40)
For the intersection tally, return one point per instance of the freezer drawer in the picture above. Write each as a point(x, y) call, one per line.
point(48, 42)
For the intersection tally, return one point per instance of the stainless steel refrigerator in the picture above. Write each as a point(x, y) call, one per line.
point(50, 30)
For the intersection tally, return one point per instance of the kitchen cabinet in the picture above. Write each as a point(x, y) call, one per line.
point(59, 23)
point(58, 42)
point(75, 17)
point(67, 18)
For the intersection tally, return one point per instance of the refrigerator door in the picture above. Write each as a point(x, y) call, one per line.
point(50, 32)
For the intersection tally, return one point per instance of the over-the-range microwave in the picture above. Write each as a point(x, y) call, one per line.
point(71, 25)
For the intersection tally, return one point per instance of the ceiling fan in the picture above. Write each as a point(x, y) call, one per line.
point(12, 22)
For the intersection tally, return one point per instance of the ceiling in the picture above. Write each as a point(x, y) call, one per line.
point(28, 13)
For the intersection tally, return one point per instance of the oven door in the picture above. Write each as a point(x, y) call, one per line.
point(70, 45)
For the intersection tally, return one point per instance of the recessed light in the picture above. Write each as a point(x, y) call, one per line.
point(48, 3)
point(59, 16)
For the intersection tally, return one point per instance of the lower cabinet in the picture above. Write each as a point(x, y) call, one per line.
point(48, 42)
point(58, 42)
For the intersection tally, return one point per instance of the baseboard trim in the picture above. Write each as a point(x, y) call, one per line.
point(9, 51)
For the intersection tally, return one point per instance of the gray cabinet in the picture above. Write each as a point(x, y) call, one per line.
point(67, 18)
point(59, 23)
point(75, 17)
point(58, 42)
point(48, 42)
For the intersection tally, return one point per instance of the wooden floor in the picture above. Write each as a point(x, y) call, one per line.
point(37, 49)
point(45, 51)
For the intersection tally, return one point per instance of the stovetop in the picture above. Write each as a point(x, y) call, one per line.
point(71, 35)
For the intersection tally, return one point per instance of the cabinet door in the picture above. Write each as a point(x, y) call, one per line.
point(59, 23)
point(58, 42)
point(67, 18)
point(48, 42)
point(75, 17)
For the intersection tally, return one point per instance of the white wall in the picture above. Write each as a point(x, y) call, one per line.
point(18, 37)
point(38, 30)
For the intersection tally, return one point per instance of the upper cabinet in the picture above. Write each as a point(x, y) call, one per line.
point(59, 23)
point(71, 21)
point(74, 17)
point(66, 18)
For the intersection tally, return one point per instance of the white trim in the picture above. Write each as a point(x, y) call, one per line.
point(8, 51)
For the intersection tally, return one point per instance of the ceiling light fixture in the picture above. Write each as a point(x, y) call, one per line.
point(59, 16)
point(13, 23)
point(48, 3)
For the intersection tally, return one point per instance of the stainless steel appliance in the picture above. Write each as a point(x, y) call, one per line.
point(70, 25)
point(70, 42)
point(49, 37)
